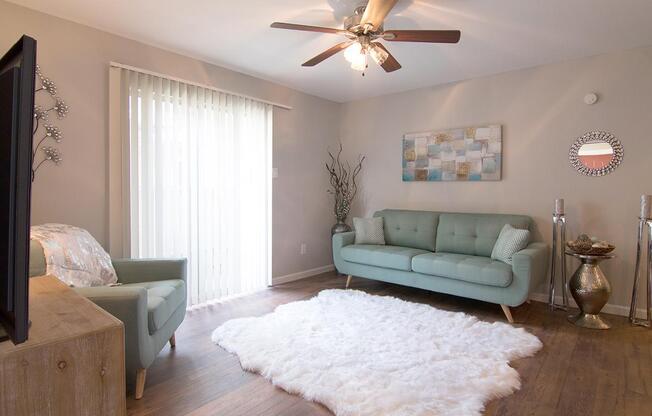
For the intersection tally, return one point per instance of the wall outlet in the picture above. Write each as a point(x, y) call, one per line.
point(274, 173)
point(303, 248)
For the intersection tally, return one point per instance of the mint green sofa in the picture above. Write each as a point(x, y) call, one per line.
point(150, 301)
point(447, 253)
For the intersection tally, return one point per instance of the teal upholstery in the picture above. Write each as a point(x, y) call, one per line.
point(474, 234)
point(163, 298)
point(405, 228)
point(151, 303)
point(474, 269)
point(460, 264)
point(391, 257)
point(37, 264)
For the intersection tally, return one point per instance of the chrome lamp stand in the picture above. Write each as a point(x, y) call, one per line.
point(558, 256)
point(642, 225)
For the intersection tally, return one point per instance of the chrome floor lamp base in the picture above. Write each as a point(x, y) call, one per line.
point(558, 256)
point(644, 223)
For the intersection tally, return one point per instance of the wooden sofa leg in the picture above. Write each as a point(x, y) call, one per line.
point(507, 313)
point(141, 373)
point(173, 341)
point(348, 281)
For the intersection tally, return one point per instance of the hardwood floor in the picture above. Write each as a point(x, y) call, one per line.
point(578, 371)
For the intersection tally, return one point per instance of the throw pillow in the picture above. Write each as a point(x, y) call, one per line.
point(369, 230)
point(510, 240)
point(74, 256)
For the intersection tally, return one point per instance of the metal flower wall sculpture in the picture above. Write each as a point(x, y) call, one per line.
point(343, 184)
point(49, 131)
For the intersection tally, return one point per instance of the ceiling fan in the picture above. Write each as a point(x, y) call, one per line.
point(363, 30)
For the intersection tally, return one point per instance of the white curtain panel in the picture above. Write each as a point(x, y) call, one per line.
point(200, 182)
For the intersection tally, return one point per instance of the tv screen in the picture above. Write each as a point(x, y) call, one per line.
point(17, 73)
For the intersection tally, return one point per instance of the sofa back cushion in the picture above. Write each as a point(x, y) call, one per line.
point(474, 234)
point(416, 229)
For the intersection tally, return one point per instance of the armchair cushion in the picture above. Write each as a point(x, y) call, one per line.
point(163, 298)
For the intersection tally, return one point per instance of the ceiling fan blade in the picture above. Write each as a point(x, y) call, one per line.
point(305, 28)
point(375, 13)
point(327, 54)
point(432, 36)
point(390, 64)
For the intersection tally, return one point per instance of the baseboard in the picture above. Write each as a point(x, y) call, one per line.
point(608, 308)
point(302, 275)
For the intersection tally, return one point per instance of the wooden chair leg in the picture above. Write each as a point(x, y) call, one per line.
point(348, 281)
point(140, 383)
point(507, 313)
point(173, 341)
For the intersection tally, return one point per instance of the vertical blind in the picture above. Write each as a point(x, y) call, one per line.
point(199, 182)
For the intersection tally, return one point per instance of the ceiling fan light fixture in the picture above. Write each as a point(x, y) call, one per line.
point(360, 62)
point(378, 54)
point(353, 52)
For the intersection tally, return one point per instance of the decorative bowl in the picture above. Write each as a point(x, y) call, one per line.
point(581, 247)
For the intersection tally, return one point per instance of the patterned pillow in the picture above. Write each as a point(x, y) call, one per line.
point(369, 230)
point(510, 240)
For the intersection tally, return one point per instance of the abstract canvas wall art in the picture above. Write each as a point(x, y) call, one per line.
point(464, 154)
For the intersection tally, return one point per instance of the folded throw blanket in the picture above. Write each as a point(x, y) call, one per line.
point(74, 256)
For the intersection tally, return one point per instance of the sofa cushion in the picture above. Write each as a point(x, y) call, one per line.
point(391, 257)
point(473, 269)
point(474, 234)
point(405, 228)
point(163, 298)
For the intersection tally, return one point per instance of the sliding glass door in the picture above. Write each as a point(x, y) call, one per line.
point(200, 183)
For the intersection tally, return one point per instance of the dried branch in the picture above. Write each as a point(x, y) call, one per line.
point(343, 183)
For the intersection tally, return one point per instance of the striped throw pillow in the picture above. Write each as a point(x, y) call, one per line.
point(369, 230)
point(510, 240)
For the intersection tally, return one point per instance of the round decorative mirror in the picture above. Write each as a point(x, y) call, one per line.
point(596, 153)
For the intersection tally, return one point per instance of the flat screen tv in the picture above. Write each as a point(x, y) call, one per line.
point(17, 72)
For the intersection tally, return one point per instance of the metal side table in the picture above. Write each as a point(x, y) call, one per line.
point(590, 289)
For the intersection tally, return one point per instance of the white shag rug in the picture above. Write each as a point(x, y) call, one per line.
point(360, 354)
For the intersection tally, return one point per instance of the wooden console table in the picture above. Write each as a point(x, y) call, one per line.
point(73, 361)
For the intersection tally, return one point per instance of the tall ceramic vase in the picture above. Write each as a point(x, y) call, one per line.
point(340, 227)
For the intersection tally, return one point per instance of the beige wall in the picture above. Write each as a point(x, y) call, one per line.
point(77, 58)
point(541, 111)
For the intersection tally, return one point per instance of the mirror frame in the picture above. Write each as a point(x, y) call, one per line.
point(593, 137)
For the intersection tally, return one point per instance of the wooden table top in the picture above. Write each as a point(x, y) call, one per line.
point(57, 313)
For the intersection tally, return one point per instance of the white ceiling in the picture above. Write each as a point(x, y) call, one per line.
point(497, 36)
